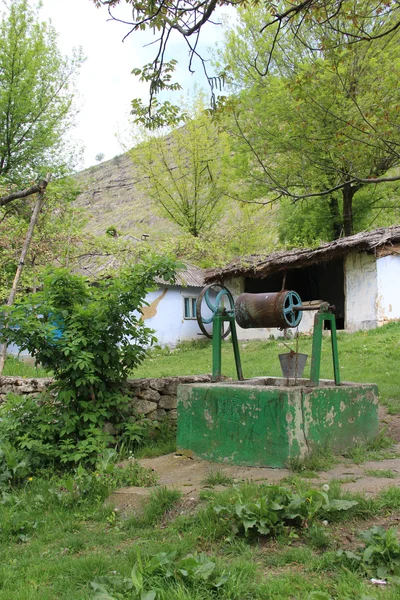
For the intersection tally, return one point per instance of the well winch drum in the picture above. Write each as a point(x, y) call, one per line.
point(269, 309)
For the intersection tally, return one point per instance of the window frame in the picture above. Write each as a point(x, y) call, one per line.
point(192, 307)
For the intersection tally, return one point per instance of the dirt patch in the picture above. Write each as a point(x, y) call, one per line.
point(392, 422)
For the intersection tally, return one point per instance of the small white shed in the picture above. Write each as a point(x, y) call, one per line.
point(359, 274)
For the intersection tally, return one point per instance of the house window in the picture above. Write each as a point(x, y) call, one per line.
point(189, 307)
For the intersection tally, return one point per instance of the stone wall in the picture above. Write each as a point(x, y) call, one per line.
point(154, 398)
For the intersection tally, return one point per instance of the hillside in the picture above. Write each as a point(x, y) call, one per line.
point(112, 196)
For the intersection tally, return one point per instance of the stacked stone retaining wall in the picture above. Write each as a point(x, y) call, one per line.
point(155, 398)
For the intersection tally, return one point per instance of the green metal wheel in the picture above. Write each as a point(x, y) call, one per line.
point(215, 297)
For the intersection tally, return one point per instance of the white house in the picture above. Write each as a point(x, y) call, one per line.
point(171, 310)
point(359, 274)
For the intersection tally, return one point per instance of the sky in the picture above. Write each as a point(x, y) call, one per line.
point(105, 84)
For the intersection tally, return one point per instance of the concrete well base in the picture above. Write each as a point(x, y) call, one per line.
point(265, 422)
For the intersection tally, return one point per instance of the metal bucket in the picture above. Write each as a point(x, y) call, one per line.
point(292, 364)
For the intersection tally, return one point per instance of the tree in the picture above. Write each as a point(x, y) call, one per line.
point(185, 172)
point(321, 125)
point(36, 96)
point(294, 18)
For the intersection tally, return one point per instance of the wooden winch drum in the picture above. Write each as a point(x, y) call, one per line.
point(269, 309)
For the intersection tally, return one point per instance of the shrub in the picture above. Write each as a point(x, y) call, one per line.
point(90, 337)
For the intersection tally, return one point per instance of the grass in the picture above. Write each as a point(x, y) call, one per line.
point(365, 356)
point(322, 459)
point(217, 476)
point(379, 449)
point(20, 368)
point(380, 473)
point(68, 545)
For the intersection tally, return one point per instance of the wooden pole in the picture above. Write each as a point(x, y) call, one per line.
point(24, 252)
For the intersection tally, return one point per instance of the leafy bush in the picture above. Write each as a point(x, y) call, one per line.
point(90, 337)
point(279, 508)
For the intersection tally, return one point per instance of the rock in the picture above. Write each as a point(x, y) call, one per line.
point(159, 384)
point(149, 394)
point(158, 415)
point(167, 402)
point(144, 407)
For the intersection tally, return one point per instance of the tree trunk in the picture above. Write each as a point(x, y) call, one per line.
point(335, 217)
point(24, 252)
point(348, 193)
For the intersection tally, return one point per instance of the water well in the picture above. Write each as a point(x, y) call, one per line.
point(266, 421)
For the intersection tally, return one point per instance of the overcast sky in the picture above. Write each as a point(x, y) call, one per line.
point(105, 84)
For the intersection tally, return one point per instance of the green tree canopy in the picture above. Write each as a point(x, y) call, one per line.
point(36, 96)
point(322, 125)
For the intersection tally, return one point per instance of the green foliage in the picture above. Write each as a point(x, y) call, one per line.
point(185, 172)
point(380, 557)
point(21, 511)
point(377, 449)
point(280, 508)
point(193, 570)
point(36, 93)
point(90, 337)
point(32, 438)
point(21, 368)
point(57, 234)
point(292, 142)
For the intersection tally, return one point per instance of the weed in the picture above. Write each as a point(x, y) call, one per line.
point(280, 508)
point(148, 574)
point(217, 477)
point(380, 556)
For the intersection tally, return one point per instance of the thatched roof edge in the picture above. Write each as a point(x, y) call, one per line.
point(257, 266)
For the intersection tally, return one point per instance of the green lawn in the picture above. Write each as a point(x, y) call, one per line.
point(365, 356)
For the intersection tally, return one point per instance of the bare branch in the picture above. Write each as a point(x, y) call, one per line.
point(37, 188)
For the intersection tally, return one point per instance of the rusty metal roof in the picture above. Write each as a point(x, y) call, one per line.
point(189, 277)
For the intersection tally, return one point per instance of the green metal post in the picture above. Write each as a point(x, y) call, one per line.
point(219, 318)
point(316, 349)
point(236, 348)
point(335, 353)
point(216, 347)
point(317, 344)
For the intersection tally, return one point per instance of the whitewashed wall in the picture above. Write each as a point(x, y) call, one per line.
point(360, 281)
point(388, 289)
point(169, 323)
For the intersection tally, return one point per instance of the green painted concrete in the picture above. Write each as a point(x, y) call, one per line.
point(263, 422)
